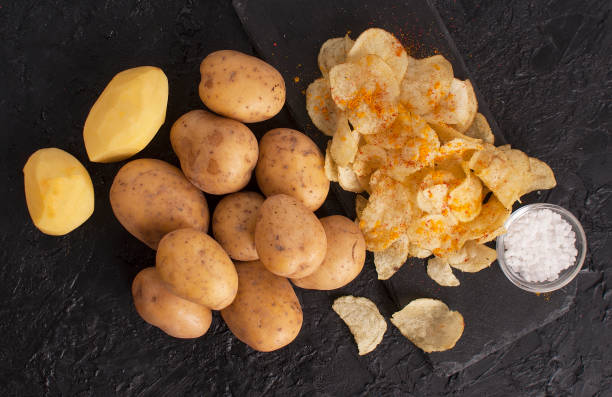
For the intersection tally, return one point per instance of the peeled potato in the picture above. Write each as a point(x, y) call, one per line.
point(58, 191)
point(127, 115)
point(158, 306)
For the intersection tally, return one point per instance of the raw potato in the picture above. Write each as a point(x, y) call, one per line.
point(266, 314)
point(158, 306)
point(289, 238)
point(429, 324)
point(241, 87)
point(291, 163)
point(151, 198)
point(233, 224)
point(197, 268)
point(217, 154)
point(344, 258)
point(363, 319)
point(58, 190)
point(127, 115)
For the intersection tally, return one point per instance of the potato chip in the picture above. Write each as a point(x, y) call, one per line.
point(446, 133)
point(344, 144)
point(331, 168)
point(333, 52)
point(426, 82)
point(472, 257)
point(368, 91)
point(509, 175)
point(385, 45)
point(440, 271)
point(458, 108)
point(348, 180)
point(433, 199)
point(480, 129)
point(364, 321)
point(389, 210)
point(360, 204)
point(391, 259)
point(321, 108)
point(458, 147)
point(465, 201)
point(491, 219)
point(429, 324)
point(417, 252)
point(368, 159)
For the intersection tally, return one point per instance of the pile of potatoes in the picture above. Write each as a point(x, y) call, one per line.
point(260, 241)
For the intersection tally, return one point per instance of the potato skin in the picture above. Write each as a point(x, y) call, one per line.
point(151, 198)
point(233, 224)
point(58, 191)
point(217, 154)
point(158, 306)
point(197, 268)
point(290, 163)
point(346, 251)
point(241, 87)
point(289, 238)
point(266, 314)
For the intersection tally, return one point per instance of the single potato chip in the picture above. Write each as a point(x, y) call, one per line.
point(418, 252)
point(330, 167)
point(368, 91)
point(382, 43)
point(491, 219)
point(480, 129)
point(348, 180)
point(446, 133)
point(391, 259)
point(472, 257)
point(333, 52)
point(465, 201)
point(440, 271)
point(363, 319)
point(458, 108)
point(429, 324)
point(321, 108)
point(344, 144)
point(426, 82)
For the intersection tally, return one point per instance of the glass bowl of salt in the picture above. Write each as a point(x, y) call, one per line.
point(543, 248)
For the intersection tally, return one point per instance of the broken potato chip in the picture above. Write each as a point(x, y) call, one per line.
point(429, 324)
point(364, 321)
point(440, 271)
point(321, 108)
point(472, 257)
point(390, 260)
point(480, 129)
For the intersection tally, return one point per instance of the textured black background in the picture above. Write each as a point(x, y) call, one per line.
point(67, 326)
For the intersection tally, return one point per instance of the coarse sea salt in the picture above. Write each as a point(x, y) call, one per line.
point(540, 245)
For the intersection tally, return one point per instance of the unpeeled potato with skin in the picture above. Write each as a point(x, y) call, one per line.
point(266, 314)
point(344, 259)
point(241, 87)
point(289, 238)
point(291, 163)
point(217, 154)
point(151, 198)
point(233, 224)
point(158, 306)
point(197, 268)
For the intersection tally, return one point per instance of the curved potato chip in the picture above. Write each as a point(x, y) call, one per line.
point(389, 210)
point(436, 233)
point(429, 324)
point(391, 259)
point(458, 147)
point(368, 159)
point(432, 199)
point(541, 176)
point(331, 168)
point(368, 91)
point(344, 144)
point(472, 257)
point(348, 180)
point(458, 108)
point(333, 52)
point(360, 204)
point(480, 129)
point(446, 133)
point(491, 219)
point(418, 252)
point(321, 108)
point(425, 83)
point(465, 201)
point(382, 43)
point(364, 321)
point(440, 271)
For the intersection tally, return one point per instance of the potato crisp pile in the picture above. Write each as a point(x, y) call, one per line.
point(408, 133)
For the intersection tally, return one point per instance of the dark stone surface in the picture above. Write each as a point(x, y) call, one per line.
point(67, 323)
point(282, 35)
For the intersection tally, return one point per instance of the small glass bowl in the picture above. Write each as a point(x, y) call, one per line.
point(566, 275)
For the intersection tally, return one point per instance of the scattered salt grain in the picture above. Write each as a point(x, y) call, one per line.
point(540, 245)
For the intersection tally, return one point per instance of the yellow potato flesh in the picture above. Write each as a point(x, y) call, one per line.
point(58, 190)
point(127, 115)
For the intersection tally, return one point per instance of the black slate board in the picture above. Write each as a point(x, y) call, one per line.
point(288, 35)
